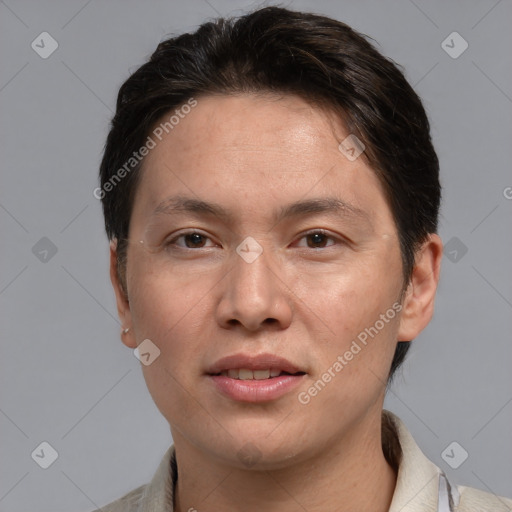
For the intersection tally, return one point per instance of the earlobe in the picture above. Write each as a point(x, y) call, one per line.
point(418, 302)
point(123, 305)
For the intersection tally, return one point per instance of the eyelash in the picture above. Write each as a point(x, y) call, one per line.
point(171, 244)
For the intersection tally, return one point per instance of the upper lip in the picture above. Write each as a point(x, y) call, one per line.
point(253, 362)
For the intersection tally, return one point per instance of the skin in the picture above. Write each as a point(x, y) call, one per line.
point(304, 298)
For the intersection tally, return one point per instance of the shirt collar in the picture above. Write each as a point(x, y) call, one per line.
point(417, 485)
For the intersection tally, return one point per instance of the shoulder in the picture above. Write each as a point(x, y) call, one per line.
point(154, 496)
point(475, 500)
point(128, 503)
point(420, 482)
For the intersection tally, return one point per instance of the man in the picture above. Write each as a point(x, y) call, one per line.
point(271, 195)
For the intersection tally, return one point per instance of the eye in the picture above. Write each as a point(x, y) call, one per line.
point(191, 240)
point(317, 239)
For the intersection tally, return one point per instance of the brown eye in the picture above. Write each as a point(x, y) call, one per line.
point(317, 240)
point(193, 240)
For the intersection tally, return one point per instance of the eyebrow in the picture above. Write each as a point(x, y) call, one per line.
point(330, 205)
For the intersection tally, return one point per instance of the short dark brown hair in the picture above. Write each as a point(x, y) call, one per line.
point(277, 50)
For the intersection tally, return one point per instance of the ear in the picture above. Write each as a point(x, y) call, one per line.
point(418, 303)
point(123, 304)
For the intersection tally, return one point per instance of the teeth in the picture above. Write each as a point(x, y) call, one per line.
point(246, 374)
point(261, 374)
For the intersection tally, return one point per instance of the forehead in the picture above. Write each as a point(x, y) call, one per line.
point(257, 121)
point(255, 149)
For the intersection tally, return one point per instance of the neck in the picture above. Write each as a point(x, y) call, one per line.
point(352, 474)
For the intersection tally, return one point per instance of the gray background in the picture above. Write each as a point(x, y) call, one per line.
point(65, 376)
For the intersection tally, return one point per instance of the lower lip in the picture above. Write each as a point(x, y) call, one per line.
point(256, 391)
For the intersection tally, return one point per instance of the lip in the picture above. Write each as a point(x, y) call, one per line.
point(253, 362)
point(255, 391)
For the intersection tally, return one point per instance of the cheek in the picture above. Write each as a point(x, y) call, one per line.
point(165, 309)
point(169, 310)
point(171, 316)
point(163, 297)
point(357, 309)
point(353, 363)
point(349, 297)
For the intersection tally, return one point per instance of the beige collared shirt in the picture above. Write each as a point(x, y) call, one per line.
point(420, 487)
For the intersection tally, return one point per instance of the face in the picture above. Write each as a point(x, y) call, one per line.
point(254, 238)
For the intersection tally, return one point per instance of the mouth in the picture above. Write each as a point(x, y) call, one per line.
point(253, 366)
point(260, 378)
point(247, 374)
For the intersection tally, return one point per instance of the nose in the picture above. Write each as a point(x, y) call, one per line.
point(255, 296)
